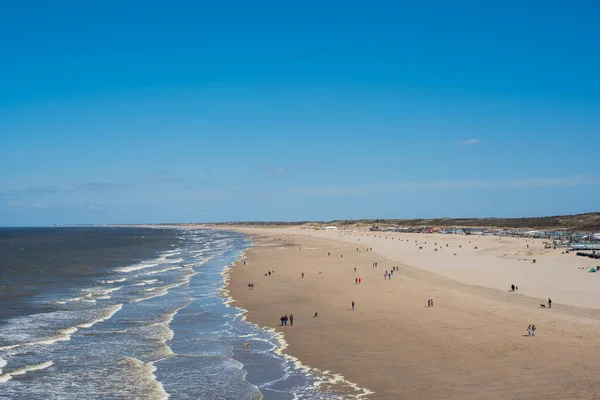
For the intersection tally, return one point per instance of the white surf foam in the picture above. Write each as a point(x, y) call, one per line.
point(2, 364)
point(160, 271)
point(146, 282)
point(115, 281)
point(138, 267)
point(144, 376)
point(161, 291)
point(115, 309)
point(63, 335)
point(23, 370)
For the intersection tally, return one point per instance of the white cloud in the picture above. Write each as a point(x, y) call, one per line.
point(469, 142)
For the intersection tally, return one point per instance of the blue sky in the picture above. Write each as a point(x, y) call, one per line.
point(133, 112)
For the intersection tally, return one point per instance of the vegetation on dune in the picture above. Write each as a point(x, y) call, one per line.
point(572, 223)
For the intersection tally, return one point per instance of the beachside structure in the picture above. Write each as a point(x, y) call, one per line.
point(585, 246)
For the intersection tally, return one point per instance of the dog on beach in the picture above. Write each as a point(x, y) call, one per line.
point(543, 305)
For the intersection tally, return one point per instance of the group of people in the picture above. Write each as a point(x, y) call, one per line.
point(357, 281)
point(513, 288)
point(270, 272)
point(388, 275)
point(251, 286)
point(374, 265)
point(531, 330)
point(430, 303)
point(285, 319)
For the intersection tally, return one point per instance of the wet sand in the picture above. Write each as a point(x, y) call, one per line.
point(470, 345)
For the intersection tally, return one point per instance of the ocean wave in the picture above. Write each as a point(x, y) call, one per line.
point(23, 370)
point(146, 282)
point(65, 334)
point(93, 294)
point(161, 291)
point(162, 259)
point(160, 271)
point(169, 253)
point(143, 375)
point(114, 281)
point(138, 266)
point(105, 317)
point(2, 364)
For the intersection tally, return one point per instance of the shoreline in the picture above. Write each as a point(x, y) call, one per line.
point(409, 329)
point(322, 378)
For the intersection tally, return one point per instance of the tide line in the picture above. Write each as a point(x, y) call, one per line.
point(322, 377)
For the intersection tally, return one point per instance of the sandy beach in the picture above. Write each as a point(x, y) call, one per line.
point(472, 344)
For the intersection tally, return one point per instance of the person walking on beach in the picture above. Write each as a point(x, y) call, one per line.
point(353, 304)
point(281, 320)
point(549, 303)
point(512, 288)
point(303, 274)
point(359, 281)
point(533, 330)
point(428, 302)
point(285, 319)
point(291, 319)
point(385, 275)
point(431, 302)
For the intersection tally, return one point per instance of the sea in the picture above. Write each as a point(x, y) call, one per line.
point(137, 313)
